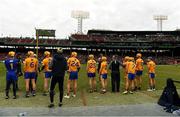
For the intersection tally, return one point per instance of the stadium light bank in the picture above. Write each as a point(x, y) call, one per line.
point(160, 19)
point(80, 16)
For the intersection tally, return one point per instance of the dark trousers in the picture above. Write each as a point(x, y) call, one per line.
point(60, 81)
point(115, 81)
point(8, 84)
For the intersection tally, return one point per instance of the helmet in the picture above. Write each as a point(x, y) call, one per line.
point(138, 55)
point(47, 53)
point(131, 58)
point(30, 53)
point(59, 50)
point(74, 54)
point(35, 55)
point(126, 58)
point(91, 56)
point(11, 53)
point(150, 58)
point(104, 58)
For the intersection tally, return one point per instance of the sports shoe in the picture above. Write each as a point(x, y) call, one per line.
point(90, 91)
point(67, 96)
point(95, 90)
point(60, 104)
point(74, 95)
point(131, 92)
point(14, 97)
point(51, 105)
point(125, 92)
point(34, 93)
point(27, 95)
point(154, 89)
point(7, 97)
point(139, 88)
point(149, 90)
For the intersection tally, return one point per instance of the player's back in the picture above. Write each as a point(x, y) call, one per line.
point(151, 66)
point(73, 64)
point(103, 68)
point(131, 67)
point(46, 62)
point(91, 66)
point(30, 64)
point(11, 65)
point(139, 64)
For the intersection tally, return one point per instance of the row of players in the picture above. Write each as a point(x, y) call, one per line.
point(133, 72)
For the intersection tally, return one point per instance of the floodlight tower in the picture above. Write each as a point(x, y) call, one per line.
point(80, 16)
point(160, 19)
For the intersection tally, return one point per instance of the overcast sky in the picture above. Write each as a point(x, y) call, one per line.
point(20, 17)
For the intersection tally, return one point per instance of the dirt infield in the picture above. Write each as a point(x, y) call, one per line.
point(149, 109)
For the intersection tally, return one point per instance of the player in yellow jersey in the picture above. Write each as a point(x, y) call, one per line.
point(91, 73)
point(74, 66)
point(47, 72)
point(125, 66)
point(103, 73)
point(131, 68)
point(139, 71)
point(151, 72)
point(30, 69)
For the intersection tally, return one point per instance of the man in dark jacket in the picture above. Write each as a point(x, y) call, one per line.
point(115, 74)
point(58, 66)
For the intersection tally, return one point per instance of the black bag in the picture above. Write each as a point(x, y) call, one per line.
point(169, 96)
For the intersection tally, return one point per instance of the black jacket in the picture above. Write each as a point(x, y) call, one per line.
point(114, 66)
point(59, 65)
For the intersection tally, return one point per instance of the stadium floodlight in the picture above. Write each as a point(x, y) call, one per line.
point(159, 19)
point(80, 16)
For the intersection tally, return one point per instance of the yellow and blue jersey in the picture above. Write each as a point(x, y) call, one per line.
point(73, 64)
point(91, 66)
point(46, 62)
point(30, 65)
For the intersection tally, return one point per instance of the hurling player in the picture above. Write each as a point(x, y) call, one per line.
point(74, 66)
point(11, 65)
point(91, 73)
point(103, 74)
point(125, 65)
point(151, 71)
point(139, 71)
point(30, 69)
point(47, 72)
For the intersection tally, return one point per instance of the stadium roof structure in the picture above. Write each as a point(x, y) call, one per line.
point(105, 32)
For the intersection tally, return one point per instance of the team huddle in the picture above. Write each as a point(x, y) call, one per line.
point(133, 70)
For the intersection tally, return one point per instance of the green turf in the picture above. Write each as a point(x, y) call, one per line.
point(163, 72)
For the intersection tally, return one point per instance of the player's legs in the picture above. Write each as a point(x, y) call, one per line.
point(90, 85)
point(8, 83)
point(75, 87)
point(68, 87)
point(33, 86)
point(27, 84)
point(46, 81)
point(94, 83)
point(14, 88)
point(105, 83)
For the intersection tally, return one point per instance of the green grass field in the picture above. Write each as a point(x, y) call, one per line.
point(92, 99)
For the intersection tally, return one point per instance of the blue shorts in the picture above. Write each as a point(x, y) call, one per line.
point(151, 75)
point(91, 75)
point(30, 75)
point(73, 75)
point(48, 74)
point(104, 76)
point(139, 73)
point(131, 76)
point(11, 76)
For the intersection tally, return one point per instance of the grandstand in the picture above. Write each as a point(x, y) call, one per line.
point(163, 45)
